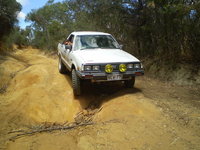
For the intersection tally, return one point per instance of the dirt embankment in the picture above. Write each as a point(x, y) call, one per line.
point(183, 73)
point(153, 115)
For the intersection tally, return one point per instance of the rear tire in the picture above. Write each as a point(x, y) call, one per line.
point(129, 83)
point(61, 67)
point(76, 83)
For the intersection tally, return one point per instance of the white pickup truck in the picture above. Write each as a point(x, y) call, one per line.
point(96, 56)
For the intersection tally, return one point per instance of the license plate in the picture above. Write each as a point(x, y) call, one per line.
point(111, 77)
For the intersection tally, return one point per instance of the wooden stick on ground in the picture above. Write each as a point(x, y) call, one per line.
point(49, 129)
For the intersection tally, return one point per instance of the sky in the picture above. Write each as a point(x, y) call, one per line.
point(27, 5)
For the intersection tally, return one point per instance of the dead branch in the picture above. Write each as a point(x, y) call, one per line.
point(48, 129)
point(82, 119)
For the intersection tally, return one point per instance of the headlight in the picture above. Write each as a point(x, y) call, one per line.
point(141, 65)
point(87, 68)
point(122, 68)
point(130, 66)
point(137, 66)
point(108, 68)
point(95, 68)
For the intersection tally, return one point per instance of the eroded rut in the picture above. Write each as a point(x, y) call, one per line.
point(153, 115)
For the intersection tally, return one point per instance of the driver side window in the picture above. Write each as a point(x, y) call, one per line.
point(71, 38)
point(69, 41)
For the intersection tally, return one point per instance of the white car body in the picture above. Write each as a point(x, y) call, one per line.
point(80, 57)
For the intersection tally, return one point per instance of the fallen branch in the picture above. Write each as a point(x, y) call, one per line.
point(48, 129)
point(86, 119)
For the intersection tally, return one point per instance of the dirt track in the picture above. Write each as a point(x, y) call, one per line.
point(151, 116)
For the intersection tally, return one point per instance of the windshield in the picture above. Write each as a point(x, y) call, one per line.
point(95, 41)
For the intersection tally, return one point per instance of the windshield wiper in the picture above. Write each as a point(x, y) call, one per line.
point(89, 48)
point(109, 48)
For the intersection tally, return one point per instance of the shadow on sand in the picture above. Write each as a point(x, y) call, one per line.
point(95, 94)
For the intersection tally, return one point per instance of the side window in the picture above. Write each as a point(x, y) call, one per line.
point(71, 38)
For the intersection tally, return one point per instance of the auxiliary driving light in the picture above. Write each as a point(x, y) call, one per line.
point(122, 68)
point(108, 68)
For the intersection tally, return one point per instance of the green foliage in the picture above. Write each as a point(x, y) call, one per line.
point(17, 36)
point(21, 37)
point(8, 15)
point(167, 29)
point(8, 18)
point(50, 24)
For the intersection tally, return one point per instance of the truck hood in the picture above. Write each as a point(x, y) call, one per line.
point(105, 56)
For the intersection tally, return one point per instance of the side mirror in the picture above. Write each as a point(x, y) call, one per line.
point(121, 46)
point(68, 47)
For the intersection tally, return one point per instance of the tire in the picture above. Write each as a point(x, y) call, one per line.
point(61, 67)
point(76, 83)
point(129, 83)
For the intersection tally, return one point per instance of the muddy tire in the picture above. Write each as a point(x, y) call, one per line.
point(129, 83)
point(76, 83)
point(61, 67)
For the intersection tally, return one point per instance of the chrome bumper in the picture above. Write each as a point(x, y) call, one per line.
point(102, 76)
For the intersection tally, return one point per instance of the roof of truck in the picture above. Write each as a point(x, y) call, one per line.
point(89, 33)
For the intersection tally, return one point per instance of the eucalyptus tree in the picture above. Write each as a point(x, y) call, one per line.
point(50, 23)
point(8, 17)
point(148, 28)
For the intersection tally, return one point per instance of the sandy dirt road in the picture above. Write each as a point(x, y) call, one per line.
point(152, 116)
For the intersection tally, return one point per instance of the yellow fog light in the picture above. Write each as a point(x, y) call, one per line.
point(108, 68)
point(122, 68)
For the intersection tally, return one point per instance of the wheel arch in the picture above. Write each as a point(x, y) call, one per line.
point(73, 66)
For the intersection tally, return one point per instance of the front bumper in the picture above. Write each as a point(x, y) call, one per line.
point(102, 76)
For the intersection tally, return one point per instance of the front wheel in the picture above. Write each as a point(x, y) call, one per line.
point(129, 83)
point(76, 83)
